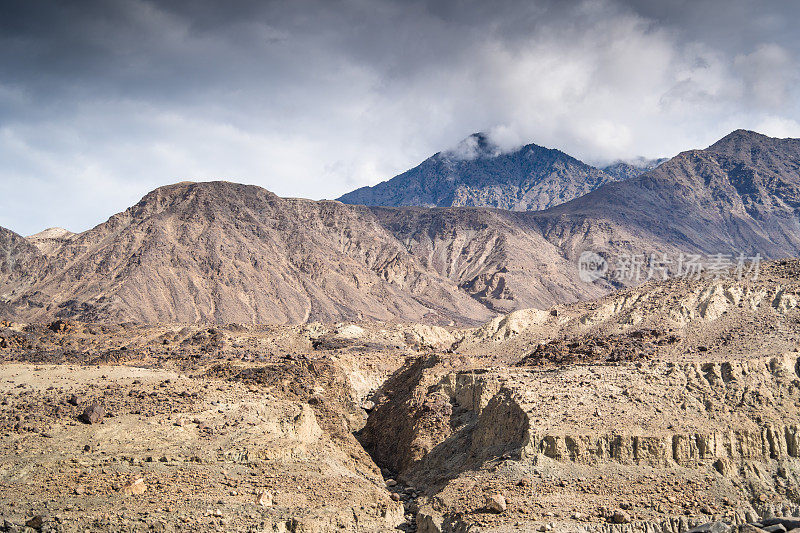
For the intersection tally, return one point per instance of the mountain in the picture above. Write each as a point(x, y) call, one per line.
point(623, 170)
point(50, 240)
point(741, 194)
point(495, 256)
point(477, 173)
point(223, 252)
point(18, 260)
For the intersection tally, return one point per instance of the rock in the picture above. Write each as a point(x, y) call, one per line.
point(748, 528)
point(135, 488)
point(74, 400)
point(496, 503)
point(350, 332)
point(712, 527)
point(264, 499)
point(368, 405)
point(792, 522)
point(722, 466)
point(421, 337)
point(36, 522)
point(60, 326)
point(93, 414)
point(620, 517)
point(391, 483)
point(429, 521)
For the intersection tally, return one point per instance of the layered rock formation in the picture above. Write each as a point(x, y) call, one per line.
point(698, 428)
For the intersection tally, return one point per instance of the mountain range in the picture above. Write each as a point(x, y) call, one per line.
point(223, 252)
point(478, 173)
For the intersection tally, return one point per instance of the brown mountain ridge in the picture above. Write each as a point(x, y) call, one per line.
point(224, 252)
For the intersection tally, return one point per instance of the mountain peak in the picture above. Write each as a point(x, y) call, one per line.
point(477, 145)
point(208, 191)
point(479, 173)
point(631, 168)
point(738, 139)
point(758, 149)
point(52, 233)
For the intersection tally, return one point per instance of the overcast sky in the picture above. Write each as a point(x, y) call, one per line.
point(101, 102)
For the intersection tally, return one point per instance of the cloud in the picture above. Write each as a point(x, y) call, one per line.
point(779, 127)
point(769, 74)
point(102, 101)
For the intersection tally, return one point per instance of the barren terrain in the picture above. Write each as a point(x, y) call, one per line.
point(657, 408)
point(223, 252)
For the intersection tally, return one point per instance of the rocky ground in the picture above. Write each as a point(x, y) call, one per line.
point(124, 428)
point(659, 409)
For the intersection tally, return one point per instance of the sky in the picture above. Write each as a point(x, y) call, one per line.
point(103, 101)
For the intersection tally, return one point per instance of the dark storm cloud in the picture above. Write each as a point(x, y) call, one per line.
point(102, 101)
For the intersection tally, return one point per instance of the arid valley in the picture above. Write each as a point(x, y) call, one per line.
point(220, 357)
point(421, 266)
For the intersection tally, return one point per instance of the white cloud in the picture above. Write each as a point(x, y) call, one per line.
point(769, 74)
point(779, 127)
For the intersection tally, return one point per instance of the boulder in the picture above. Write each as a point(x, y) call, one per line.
point(135, 488)
point(93, 414)
point(496, 503)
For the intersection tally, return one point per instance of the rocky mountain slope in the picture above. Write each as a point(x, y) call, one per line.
point(477, 173)
point(626, 169)
point(494, 256)
point(233, 253)
point(740, 194)
point(689, 319)
point(18, 258)
point(656, 409)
